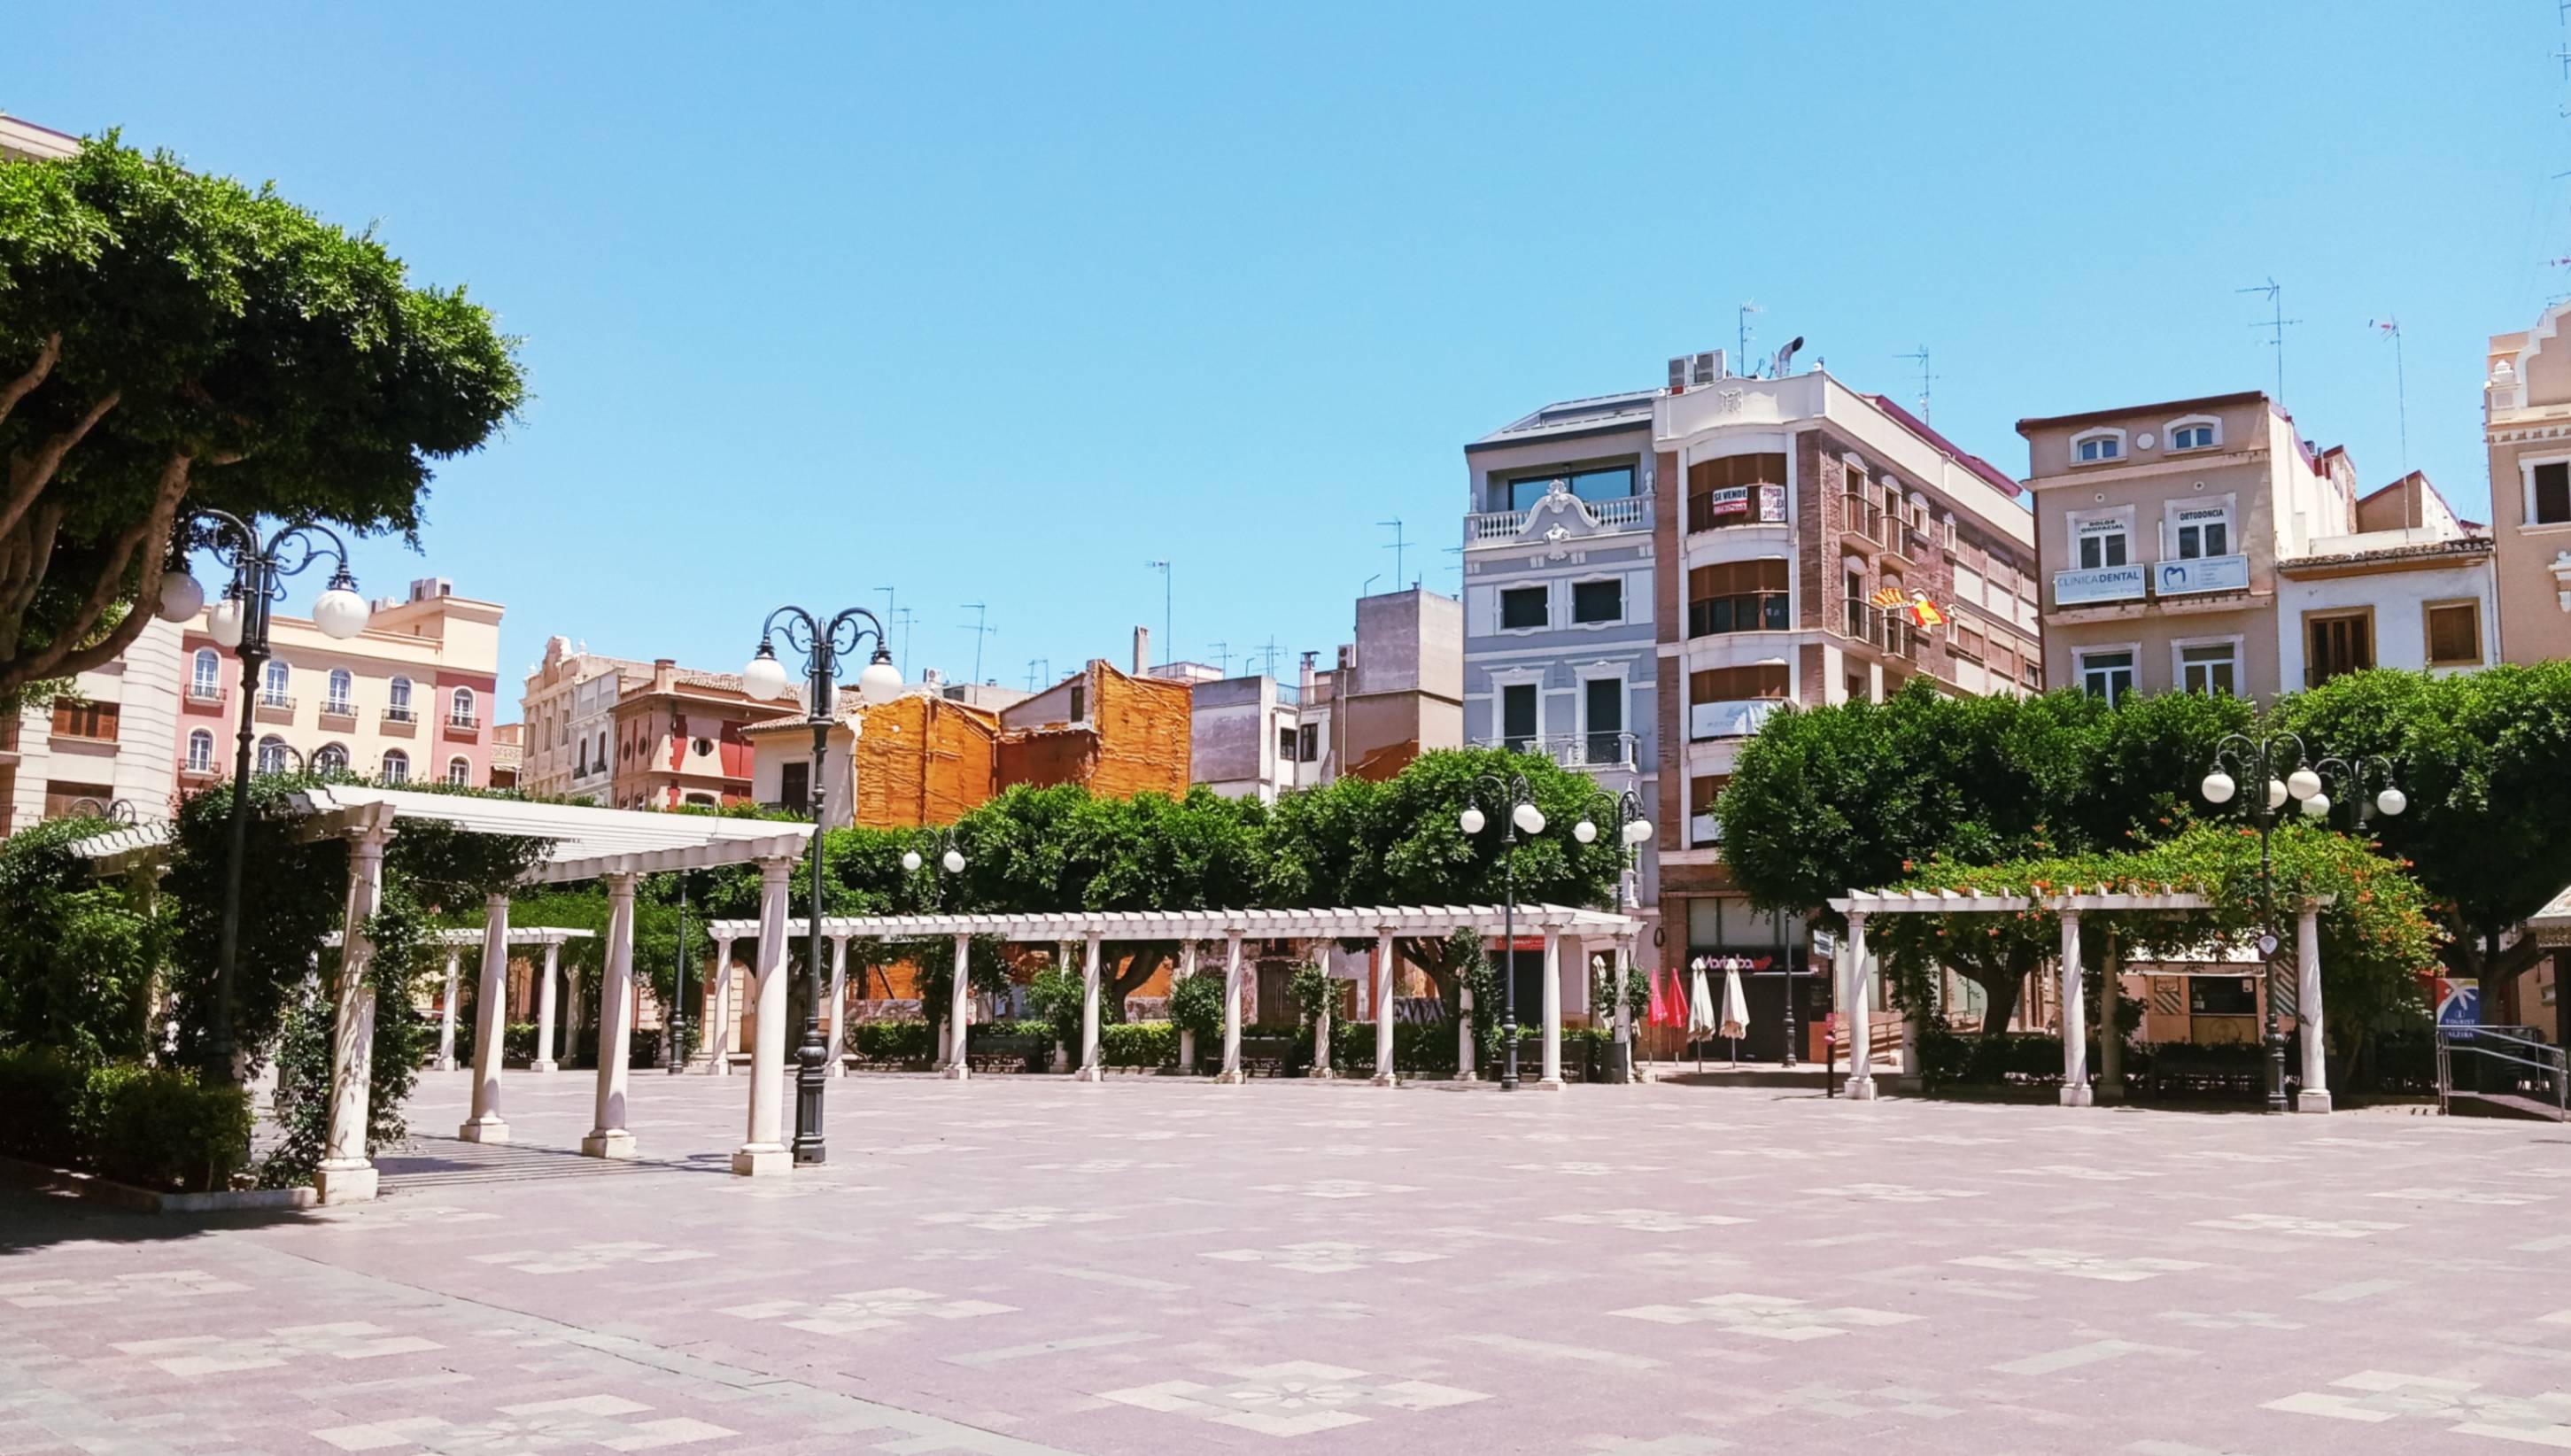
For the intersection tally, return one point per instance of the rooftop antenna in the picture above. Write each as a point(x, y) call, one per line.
point(1743, 341)
point(2392, 328)
point(1456, 566)
point(1039, 671)
point(1920, 357)
point(1269, 653)
point(1398, 541)
point(1368, 589)
point(981, 629)
point(1221, 655)
point(2275, 327)
point(1168, 597)
point(907, 617)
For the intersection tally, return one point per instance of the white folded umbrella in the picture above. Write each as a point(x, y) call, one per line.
point(1700, 1007)
point(1736, 1006)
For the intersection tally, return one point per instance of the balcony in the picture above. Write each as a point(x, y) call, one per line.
point(1624, 513)
point(463, 726)
point(1603, 749)
point(205, 695)
point(1747, 612)
point(1860, 522)
point(340, 709)
point(400, 721)
point(273, 707)
point(1737, 717)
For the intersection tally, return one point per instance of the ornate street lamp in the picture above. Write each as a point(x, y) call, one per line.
point(241, 622)
point(2262, 761)
point(1633, 828)
point(823, 645)
point(1520, 815)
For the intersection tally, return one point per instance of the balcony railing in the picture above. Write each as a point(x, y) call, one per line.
point(1862, 520)
point(202, 693)
point(1745, 611)
point(1735, 717)
point(1885, 630)
point(1603, 749)
point(338, 708)
point(1624, 513)
point(399, 713)
point(462, 724)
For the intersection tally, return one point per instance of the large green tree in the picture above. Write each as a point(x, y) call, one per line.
point(170, 340)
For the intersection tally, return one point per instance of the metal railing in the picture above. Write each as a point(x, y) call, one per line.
point(1741, 611)
point(2508, 1064)
point(399, 713)
point(1603, 749)
point(1861, 518)
point(338, 708)
point(1633, 512)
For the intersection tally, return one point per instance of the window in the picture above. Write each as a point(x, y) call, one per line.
point(1079, 703)
point(2203, 531)
point(1604, 701)
point(2108, 675)
point(795, 785)
point(396, 767)
point(2455, 634)
point(1737, 490)
point(1738, 596)
point(2211, 668)
point(340, 683)
point(1736, 685)
point(1598, 600)
point(2101, 541)
point(332, 759)
point(206, 674)
point(1518, 716)
point(2222, 996)
point(64, 800)
point(201, 751)
point(1597, 483)
point(272, 754)
point(1285, 745)
point(2548, 493)
point(1704, 830)
point(1309, 744)
point(460, 707)
point(272, 686)
point(2335, 645)
point(96, 722)
point(2097, 446)
point(397, 701)
point(2197, 432)
point(1522, 608)
point(460, 770)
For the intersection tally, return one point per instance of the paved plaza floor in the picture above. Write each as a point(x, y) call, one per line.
point(1152, 1265)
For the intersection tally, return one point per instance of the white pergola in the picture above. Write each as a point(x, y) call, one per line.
point(1857, 976)
point(1190, 928)
point(552, 938)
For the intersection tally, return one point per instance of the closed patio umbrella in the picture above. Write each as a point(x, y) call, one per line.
point(1700, 1024)
point(1736, 1010)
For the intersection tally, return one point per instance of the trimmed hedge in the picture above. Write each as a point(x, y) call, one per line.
point(146, 1126)
point(1140, 1044)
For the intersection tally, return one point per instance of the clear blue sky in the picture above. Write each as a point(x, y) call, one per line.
point(994, 303)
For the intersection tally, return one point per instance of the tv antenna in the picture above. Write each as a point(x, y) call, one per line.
point(981, 629)
point(905, 617)
point(2275, 327)
point(1268, 656)
point(1039, 671)
point(1221, 656)
point(1920, 357)
point(2392, 328)
point(1457, 567)
point(1398, 541)
point(1368, 589)
point(1168, 598)
point(1742, 340)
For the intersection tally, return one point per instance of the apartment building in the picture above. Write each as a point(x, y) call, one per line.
point(24, 141)
point(1398, 689)
point(569, 709)
point(2526, 430)
point(410, 698)
point(110, 738)
point(2202, 545)
point(681, 739)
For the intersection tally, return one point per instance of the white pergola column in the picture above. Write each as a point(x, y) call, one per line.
point(1463, 1033)
point(490, 1026)
point(1322, 1022)
point(959, 1002)
point(608, 1136)
point(1552, 1079)
point(446, 1014)
point(1091, 1066)
point(838, 1005)
point(1230, 1072)
point(720, 1025)
point(2076, 1091)
point(346, 1174)
point(1859, 1013)
point(763, 1150)
point(1187, 1038)
point(1624, 1007)
point(1380, 991)
point(2315, 1096)
point(544, 1059)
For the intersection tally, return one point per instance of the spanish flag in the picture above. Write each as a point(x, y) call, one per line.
point(1924, 612)
point(1888, 597)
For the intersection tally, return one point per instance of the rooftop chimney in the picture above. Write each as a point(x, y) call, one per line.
point(1303, 679)
point(1142, 651)
point(664, 675)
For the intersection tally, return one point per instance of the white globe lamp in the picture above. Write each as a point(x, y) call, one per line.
point(2303, 784)
point(2275, 793)
point(910, 860)
point(2392, 802)
point(2317, 806)
point(182, 596)
point(339, 612)
point(2219, 787)
point(224, 622)
point(1584, 831)
point(1636, 830)
point(764, 679)
point(954, 861)
point(881, 681)
point(1529, 820)
point(1471, 821)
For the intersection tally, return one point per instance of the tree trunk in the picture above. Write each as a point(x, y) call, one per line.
point(2000, 995)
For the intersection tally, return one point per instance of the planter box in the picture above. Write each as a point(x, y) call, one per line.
point(94, 1188)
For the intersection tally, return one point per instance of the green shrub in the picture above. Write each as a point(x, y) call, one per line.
point(160, 1129)
point(887, 1042)
point(41, 1092)
point(1140, 1044)
point(1195, 1005)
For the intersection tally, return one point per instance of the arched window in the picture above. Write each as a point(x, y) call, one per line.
point(2094, 447)
point(460, 707)
point(201, 751)
point(206, 674)
point(460, 770)
point(272, 689)
point(332, 759)
point(398, 700)
point(396, 767)
point(340, 683)
point(272, 754)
